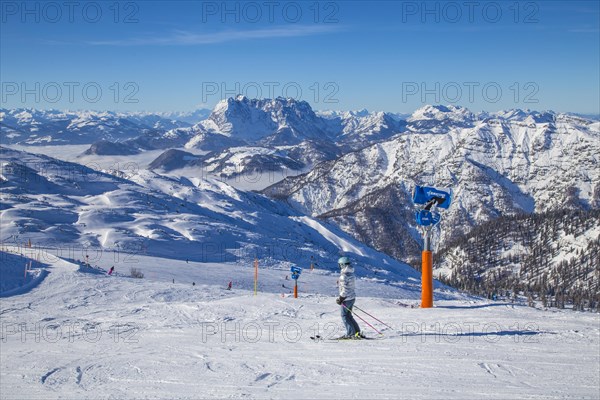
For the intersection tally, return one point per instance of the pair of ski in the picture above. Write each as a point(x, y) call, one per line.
point(319, 338)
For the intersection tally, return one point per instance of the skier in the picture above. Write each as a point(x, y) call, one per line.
point(112, 269)
point(229, 285)
point(347, 298)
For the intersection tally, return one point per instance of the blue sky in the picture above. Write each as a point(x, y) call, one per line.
point(391, 56)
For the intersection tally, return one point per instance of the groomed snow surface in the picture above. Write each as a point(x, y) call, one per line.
point(79, 333)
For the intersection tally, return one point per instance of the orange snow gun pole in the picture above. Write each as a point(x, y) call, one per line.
point(426, 279)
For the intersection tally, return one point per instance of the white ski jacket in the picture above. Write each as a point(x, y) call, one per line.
point(347, 282)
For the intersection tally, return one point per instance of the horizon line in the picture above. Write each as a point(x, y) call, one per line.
point(407, 113)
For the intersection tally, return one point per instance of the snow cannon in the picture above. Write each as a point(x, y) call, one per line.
point(296, 271)
point(429, 200)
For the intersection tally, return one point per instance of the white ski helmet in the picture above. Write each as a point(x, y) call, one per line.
point(343, 261)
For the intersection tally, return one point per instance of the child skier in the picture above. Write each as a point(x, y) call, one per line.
point(347, 298)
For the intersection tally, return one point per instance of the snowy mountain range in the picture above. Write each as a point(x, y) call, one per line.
point(54, 127)
point(280, 121)
point(357, 168)
point(300, 137)
point(496, 164)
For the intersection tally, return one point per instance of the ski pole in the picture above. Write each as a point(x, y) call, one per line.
point(360, 309)
point(362, 319)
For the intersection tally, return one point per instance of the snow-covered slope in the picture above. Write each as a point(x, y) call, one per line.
point(55, 203)
point(83, 334)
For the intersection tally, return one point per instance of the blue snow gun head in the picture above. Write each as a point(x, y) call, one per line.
point(429, 196)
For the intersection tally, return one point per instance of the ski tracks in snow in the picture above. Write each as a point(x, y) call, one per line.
point(509, 374)
point(64, 375)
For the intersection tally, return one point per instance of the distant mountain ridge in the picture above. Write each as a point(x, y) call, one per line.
point(56, 127)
